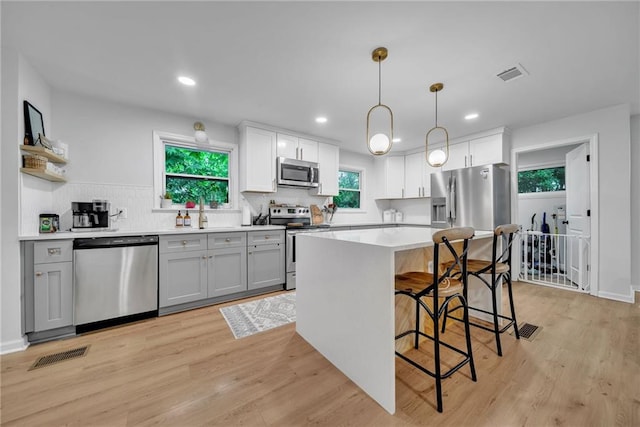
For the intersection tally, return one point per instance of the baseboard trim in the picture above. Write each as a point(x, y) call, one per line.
point(14, 346)
point(618, 297)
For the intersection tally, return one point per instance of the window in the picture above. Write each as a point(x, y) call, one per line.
point(541, 180)
point(189, 170)
point(192, 173)
point(349, 186)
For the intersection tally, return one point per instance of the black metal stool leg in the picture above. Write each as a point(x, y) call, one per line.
point(496, 327)
point(417, 340)
point(511, 304)
point(436, 352)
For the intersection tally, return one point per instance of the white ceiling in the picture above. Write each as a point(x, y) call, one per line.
point(284, 63)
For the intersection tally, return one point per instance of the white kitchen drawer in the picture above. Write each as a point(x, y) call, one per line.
point(265, 237)
point(52, 251)
point(227, 240)
point(183, 243)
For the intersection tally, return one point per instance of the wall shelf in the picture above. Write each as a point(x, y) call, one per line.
point(44, 174)
point(41, 151)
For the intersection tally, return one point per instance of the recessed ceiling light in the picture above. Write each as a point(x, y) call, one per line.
point(396, 140)
point(187, 81)
point(471, 116)
point(321, 120)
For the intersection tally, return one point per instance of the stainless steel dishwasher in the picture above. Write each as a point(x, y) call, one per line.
point(115, 278)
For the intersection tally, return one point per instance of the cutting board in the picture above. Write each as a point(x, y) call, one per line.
point(316, 215)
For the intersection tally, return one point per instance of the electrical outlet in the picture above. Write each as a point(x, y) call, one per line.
point(122, 213)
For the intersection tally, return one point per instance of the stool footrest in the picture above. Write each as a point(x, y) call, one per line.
point(486, 328)
point(448, 373)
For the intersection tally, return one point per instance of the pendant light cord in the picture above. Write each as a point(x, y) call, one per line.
point(379, 81)
point(437, 108)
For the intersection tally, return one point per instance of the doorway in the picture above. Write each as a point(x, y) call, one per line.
point(554, 199)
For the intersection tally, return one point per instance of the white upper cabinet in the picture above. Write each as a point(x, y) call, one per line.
point(393, 176)
point(328, 163)
point(257, 160)
point(486, 148)
point(293, 147)
point(417, 175)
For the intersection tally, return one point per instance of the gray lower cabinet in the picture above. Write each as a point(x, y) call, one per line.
point(266, 259)
point(48, 285)
point(182, 269)
point(53, 295)
point(227, 263)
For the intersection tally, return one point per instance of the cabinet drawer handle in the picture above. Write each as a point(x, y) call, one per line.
point(54, 251)
point(266, 237)
point(39, 273)
point(210, 256)
point(204, 257)
point(227, 240)
point(184, 243)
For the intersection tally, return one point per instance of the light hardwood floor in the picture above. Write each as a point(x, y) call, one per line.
point(582, 369)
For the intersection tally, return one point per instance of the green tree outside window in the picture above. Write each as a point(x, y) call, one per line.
point(541, 180)
point(349, 190)
point(192, 173)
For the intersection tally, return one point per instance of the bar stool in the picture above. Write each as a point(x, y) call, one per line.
point(448, 285)
point(499, 268)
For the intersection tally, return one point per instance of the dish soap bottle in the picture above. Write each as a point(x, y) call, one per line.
point(179, 220)
point(187, 220)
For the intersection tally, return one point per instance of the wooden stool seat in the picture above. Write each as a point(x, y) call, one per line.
point(417, 281)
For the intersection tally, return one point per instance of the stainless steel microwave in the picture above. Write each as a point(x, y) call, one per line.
point(297, 173)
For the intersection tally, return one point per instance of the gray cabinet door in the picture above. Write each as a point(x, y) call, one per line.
point(266, 266)
point(183, 277)
point(227, 272)
point(53, 295)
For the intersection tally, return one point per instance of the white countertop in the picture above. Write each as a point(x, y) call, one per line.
point(61, 235)
point(395, 238)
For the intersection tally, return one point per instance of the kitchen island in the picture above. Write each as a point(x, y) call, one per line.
point(345, 299)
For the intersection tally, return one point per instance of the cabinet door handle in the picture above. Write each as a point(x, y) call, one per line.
point(184, 243)
point(210, 256)
point(227, 240)
point(54, 251)
point(470, 159)
point(273, 185)
point(39, 273)
point(204, 257)
point(301, 154)
point(266, 237)
point(403, 193)
point(465, 161)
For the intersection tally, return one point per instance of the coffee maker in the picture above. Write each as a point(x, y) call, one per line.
point(91, 216)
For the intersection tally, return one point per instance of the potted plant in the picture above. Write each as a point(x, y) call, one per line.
point(165, 201)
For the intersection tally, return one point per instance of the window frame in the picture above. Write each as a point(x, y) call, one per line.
point(540, 166)
point(160, 139)
point(361, 171)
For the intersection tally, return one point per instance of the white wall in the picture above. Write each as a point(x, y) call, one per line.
point(635, 202)
point(612, 126)
point(19, 82)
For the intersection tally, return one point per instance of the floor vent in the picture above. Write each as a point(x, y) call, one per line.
point(528, 331)
point(51, 359)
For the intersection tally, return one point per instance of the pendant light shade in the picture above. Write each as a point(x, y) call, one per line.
point(437, 156)
point(200, 135)
point(380, 143)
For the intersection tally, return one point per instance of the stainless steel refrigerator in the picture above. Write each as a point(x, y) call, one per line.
point(475, 197)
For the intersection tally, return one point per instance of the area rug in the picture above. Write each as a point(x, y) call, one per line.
point(260, 315)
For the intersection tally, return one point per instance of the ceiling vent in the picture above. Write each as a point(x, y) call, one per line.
point(512, 73)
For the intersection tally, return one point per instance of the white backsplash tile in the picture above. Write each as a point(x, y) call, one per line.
point(139, 203)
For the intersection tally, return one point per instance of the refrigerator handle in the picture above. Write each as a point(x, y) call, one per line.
point(446, 200)
point(453, 198)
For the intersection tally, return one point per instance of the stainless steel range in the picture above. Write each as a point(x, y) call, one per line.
point(297, 219)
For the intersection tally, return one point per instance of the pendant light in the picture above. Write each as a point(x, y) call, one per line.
point(200, 135)
point(380, 143)
point(438, 156)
